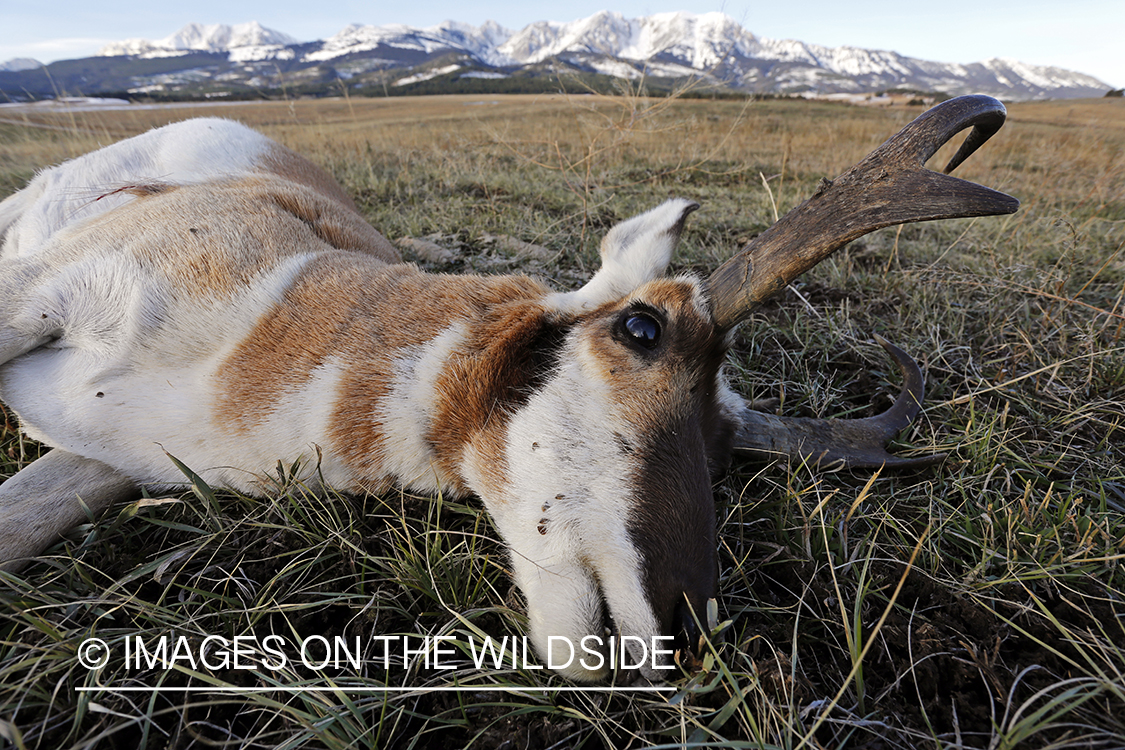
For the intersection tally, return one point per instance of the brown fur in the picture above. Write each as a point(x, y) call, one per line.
point(362, 311)
point(295, 168)
point(216, 256)
point(494, 373)
point(341, 229)
point(345, 230)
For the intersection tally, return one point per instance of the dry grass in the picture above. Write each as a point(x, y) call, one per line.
point(978, 604)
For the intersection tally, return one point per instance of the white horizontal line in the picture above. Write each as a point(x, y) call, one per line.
point(349, 689)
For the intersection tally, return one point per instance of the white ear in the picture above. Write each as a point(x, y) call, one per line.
point(634, 252)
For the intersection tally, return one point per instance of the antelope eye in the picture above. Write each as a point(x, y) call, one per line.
point(643, 328)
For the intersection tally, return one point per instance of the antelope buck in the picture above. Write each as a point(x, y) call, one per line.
point(202, 292)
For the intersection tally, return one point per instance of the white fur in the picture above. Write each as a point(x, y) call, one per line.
point(155, 397)
point(188, 153)
point(568, 476)
point(633, 252)
point(407, 412)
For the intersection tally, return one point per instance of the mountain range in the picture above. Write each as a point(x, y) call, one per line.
point(247, 60)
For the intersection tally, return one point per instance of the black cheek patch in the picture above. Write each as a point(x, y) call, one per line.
point(541, 348)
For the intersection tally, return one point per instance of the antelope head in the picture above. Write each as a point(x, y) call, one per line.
point(638, 419)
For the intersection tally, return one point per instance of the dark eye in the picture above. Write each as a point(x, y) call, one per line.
point(643, 328)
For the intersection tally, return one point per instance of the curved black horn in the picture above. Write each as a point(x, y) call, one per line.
point(890, 186)
point(855, 443)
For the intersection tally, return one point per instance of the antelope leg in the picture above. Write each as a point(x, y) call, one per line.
point(24, 325)
point(14, 341)
point(854, 443)
point(40, 502)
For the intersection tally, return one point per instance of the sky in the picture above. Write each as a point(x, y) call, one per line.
point(1087, 36)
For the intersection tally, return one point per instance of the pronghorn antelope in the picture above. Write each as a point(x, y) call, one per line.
point(202, 292)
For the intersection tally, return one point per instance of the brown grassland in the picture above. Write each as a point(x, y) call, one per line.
point(979, 603)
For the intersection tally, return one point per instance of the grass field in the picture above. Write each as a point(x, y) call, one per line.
point(980, 603)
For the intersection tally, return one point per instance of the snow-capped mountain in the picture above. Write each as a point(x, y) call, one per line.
point(195, 37)
point(481, 42)
point(249, 59)
point(20, 63)
point(698, 41)
point(710, 45)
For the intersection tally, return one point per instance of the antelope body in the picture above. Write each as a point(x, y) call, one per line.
point(200, 291)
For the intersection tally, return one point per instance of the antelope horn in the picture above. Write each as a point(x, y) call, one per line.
point(856, 443)
point(891, 186)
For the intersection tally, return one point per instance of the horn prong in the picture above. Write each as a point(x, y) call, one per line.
point(851, 443)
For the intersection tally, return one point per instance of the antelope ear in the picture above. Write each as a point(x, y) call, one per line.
point(633, 253)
